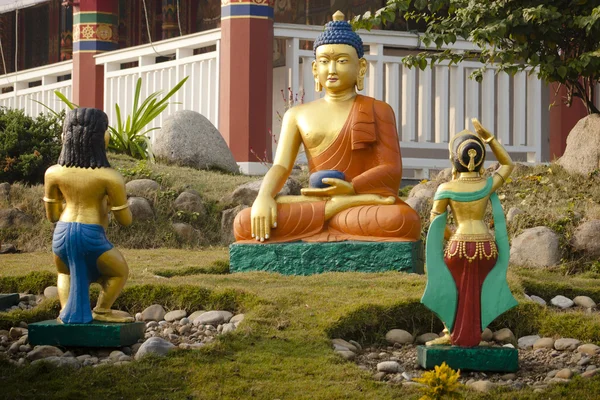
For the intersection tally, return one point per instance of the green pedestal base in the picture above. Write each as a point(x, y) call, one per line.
point(303, 258)
point(493, 359)
point(96, 334)
point(8, 300)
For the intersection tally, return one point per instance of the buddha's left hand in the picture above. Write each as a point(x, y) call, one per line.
point(336, 187)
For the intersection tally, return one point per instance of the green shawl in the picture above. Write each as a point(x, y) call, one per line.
point(441, 295)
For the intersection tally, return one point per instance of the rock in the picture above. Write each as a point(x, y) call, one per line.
point(154, 345)
point(399, 336)
point(5, 191)
point(175, 315)
point(536, 247)
point(562, 302)
point(445, 175)
point(347, 354)
point(390, 367)
point(504, 335)
point(582, 154)
point(589, 349)
point(509, 345)
point(40, 352)
point(155, 312)
point(186, 232)
point(419, 204)
point(564, 373)
point(16, 332)
point(424, 189)
point(590, 373)
point(227, 218)
point(189, 139)
point(69, 362)
point(7, 248)
point(482, 386)
point(229, 327)
point(195, 315)
point(213, 318)
point(146, 188)
point(584, 301)
point(115, 355)
point(141, 209)
point(509, 377)
point(544, 343)
point(14, 218)
point(343, 343)
point(426, 337)
point(379, 376)
point(526, 342)
point(585, 239)
point(236, 319)
point(487, 335)
point(566, 344)
point(512, 213)
point(538, 300)
point(190, 202)
point(355, 344)
point(246, 193)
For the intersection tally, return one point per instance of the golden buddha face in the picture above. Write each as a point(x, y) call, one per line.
point(338, 68)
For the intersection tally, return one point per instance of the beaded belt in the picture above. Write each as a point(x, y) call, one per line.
point(480, 240)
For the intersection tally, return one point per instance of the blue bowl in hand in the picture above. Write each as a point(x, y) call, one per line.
point(316, 180)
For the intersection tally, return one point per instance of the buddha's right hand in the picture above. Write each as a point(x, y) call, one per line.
point(263, 217)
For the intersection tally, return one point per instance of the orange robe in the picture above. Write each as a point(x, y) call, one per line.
point(367, 151)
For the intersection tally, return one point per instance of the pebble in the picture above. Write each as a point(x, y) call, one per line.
point(482, 386)
point(175, 315)
point(40, 352)
point(184, 321)
point(426, 337)
point(538, 300)
point(526, 342)
point(156, 346)
point(399, 336)
point(138, 316)
point(589, 374)
point(379, 376)
point(509, 377)
point(344, 344)
point(155, 312)
point(589, 349)
point(390, 367)
point(584, 301)
point(115, 355)
point(51, 292)
point(564, 373)
point(562, 302)
point(352, 342)
point(566, 344)
point(229, 327)
point(16, 333)
point(59, 361)
point(347, 354)
point(487, 335)
point(213, 318)
point(544, 343)
point(236, 319)
point(504, 335)
point(195, 315)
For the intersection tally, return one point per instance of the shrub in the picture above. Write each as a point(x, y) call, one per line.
point(28, 146)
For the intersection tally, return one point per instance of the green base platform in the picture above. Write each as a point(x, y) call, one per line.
point(96, 334)
point(8, 300)
point(302, 258)
point(493, 359)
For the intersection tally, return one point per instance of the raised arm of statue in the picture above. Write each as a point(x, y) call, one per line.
point(53, 198)
point(117, 198)
point(506, 163)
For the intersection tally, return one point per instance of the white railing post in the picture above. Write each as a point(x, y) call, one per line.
point(292, 63)
point(457, 99)
point(442, 105)
point(376, 74)
point(218, 83)
point(424, 111)
point(534, 118)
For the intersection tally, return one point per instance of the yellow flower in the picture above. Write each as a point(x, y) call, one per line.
point(440, 383)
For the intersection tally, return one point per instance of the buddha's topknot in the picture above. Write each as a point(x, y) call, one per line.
point(339, 32)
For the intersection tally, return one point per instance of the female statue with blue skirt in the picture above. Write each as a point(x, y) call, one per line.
point(79, 192)
point(466, 281)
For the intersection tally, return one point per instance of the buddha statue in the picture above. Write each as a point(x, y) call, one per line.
point(353, 153)
point(79, 191)
point(466, 281)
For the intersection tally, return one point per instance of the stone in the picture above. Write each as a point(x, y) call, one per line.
point(95, 334)
point(509, 377)
point(195, 315)
point(536, 247)
point(175, 315)
point(589, 349)
point(445, 175)
point(229, 327)
point(419, 204)
point(585, 239)
point(8, 300)
point(246, 194)
point(399, 336)
point(14, 218)
point(582, 154)
point(482, 386)
point(303, 258)
point(140, 208)
point(155, 312)
point(504, 335)
point(379, 376)
point(16, 333)
point(355, 344)
point(584, 301)
point(566, 344)
point(424, 189)
point(7, 248)
point(390, 367)
point(191, 203)
point(426, 337)
point(156, 346)
point(590, 373)
point(146, 188)
point(227, 218)
point(186, 232)
point(544, 343)
point(487, 335)
point(562, 302)
point(188, 138)
point(347, 354)
point(538, 300)
point(236, 319)
point(564, 373)
point(40, 352)
point(213, 318)
point(51, 292)
point(512, 213)
point(526, 342)
point(68, 362)
point(347, 345)
point(492, 359)
point(116, 354)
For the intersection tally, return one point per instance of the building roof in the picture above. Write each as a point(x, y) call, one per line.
point(11, 5)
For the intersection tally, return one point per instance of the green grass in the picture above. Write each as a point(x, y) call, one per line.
point(282, 349)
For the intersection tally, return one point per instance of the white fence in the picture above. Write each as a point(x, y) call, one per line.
point(37, 85)
point(430, 105)
point(200, 93)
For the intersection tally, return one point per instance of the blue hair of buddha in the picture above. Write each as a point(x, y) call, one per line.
point(340, 32)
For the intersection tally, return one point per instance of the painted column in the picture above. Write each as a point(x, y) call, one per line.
point(246, 80)
point(562, 119)
point(94, 31)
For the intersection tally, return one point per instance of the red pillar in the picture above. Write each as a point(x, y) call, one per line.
point(95, 25)
point(246, 80)
point(562, 119)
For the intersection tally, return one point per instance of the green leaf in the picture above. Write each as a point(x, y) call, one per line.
point(562, 71)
